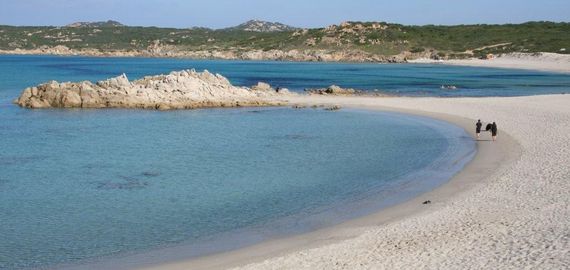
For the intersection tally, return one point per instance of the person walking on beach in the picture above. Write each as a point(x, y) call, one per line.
point(494, 131)
point(478, 128)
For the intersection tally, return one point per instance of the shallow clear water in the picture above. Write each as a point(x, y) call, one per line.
point(82, 184)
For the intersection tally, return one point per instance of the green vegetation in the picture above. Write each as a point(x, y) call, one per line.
point(372, 37)
point(527, 37)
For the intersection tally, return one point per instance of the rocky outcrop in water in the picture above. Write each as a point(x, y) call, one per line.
point(186, 89)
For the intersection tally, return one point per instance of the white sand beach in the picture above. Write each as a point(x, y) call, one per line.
point(508, 209)
point(517, 220)
point(551, 62)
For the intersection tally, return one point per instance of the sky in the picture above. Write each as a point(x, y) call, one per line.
point(300, 13)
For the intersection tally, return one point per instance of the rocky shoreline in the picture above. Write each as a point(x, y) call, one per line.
point(160, 51)
point(185, 89)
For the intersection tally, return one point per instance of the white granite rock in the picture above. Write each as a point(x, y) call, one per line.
point(185, 89)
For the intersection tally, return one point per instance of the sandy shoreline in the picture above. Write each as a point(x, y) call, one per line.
point(517, 219)
point(507, 209)
point(487, 159)
point(550, 62)
point(174, 257)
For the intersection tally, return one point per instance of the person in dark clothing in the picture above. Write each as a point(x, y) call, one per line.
point(494, 131)
point(478, 128)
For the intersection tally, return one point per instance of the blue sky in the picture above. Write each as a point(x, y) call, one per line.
point(302, 13)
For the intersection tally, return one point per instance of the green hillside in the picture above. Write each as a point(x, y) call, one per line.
point(372, 37)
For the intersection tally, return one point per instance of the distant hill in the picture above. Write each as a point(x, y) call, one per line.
point(262, 26)
point(258, 40)
point(108, 23)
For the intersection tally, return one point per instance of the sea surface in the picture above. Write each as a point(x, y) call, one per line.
point(401, 79)
point(78, 186)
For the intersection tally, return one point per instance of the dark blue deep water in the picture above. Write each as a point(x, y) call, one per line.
point(76, 185)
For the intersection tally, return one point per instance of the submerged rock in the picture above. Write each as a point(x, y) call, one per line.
point(448, 87)
point(333, 108)
point(333, 90)
point(185, 89)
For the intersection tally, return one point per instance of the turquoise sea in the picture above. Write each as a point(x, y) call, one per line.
point(84, 185)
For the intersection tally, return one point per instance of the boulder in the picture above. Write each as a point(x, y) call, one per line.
point(261, 86)
point(283, 91)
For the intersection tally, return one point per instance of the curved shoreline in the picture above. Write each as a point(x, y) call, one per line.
point(516, 219)
point(485, 162)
